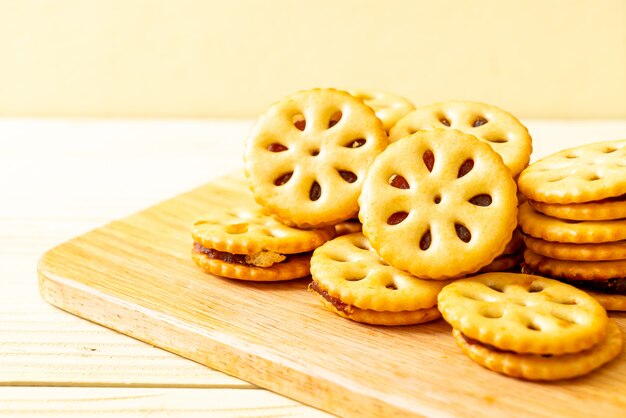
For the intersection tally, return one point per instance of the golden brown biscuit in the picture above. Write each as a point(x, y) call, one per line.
point(548, 228)
point(501, 130)
point(523, 313)
point(575, 270)
point(353, 280)
point(608, 301)
point(601, 210)
point(582, 174)
point(307, 155)
point(293, 267)
point(577, 252)
point(544, 367)
point(388, 107)
point(248, 243)
point(438, 204)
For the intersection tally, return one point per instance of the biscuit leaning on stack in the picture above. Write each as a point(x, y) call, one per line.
point(307, 156)
point(528, 326)
point(575, 219)
point(438, 204)
point(502, 131)
point(389, 107)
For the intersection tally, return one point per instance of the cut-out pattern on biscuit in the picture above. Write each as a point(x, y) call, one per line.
point(307, 156)
point(438, 204)
point(538, 315)
point(499, 129)
point(349, 269)
point(583, 174)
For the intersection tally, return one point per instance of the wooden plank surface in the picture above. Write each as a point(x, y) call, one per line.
point(153, 402)
point(62, 178)
point(135, 276)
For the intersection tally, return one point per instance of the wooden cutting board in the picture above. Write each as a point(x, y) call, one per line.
point(135, 276)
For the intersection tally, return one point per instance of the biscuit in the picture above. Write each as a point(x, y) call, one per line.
point(577, 252)
point(438, 204)
point(248, 243)
point(348, 227)
point(548, 228)
point(369, 316)
point(575, 270)
point(542, 367)
point(307, 155)
point(293, 267)
point(523, 313)
point(504, 263)
point(601, 210)
point(608, 301)
point(359, 285)
point(501, 130)
point(586, 173)
point(514, 244)
point(389, 108)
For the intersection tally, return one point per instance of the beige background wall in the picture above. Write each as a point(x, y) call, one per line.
point(192, 58)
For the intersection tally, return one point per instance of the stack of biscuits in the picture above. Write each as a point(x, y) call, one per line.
point(574, 221)
point(323, 163)
point(389, 207)
point(529, 327)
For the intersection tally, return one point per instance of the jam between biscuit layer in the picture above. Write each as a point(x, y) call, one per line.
point(615, 286)
point(336, 302)
point(261, 259)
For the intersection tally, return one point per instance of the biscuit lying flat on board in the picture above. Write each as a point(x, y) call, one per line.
point(548, 228)
point(539, 367)
point(354, 282)
point(438, 204)
point(600, 210)
point(498, 128)
point(582, 174)
point(307, 155)
point(247, 243)
point(575, 270)
point(523, 313)
point(389, 107)
point(293, 267)
point(577, 252)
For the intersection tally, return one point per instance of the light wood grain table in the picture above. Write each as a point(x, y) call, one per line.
point(61, 178)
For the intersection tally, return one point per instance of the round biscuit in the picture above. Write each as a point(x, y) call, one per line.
point(369, 316)
point(577, 252)
point(581, 174)
point(307, 155)
point(389, 107)
point(523, 313)
point(438, 204)
point(601, 210)
point(610, 302)
point(248, 230)
point(538, 225)
point(575, 270)
point(349, 269)
point(498, 128)
point(539, 367)
point(294, 268)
